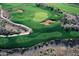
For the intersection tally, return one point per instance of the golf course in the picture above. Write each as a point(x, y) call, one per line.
point(45, 20)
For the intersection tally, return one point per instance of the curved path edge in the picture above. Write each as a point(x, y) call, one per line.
point(7, 20)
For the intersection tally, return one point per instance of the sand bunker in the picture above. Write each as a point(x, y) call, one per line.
point(47, 22)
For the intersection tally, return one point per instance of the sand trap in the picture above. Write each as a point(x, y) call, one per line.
point(19, 11)
point(47, 22)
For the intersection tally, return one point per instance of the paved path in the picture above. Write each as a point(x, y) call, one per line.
point(28, 30)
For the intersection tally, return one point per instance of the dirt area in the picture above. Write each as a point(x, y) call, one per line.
point(6, 14)
point(70, 21)
point(51, 48)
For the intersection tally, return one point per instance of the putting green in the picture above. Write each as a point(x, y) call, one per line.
point(40, 16)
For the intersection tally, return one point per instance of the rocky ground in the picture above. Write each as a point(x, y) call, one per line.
point(51, 48)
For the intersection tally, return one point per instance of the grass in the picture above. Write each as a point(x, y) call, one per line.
point(40, 16)
point(66, 7)
point(32, 16)
point(74, 34)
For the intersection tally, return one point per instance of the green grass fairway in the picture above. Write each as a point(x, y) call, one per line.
point(31, 17)
point(66, 7)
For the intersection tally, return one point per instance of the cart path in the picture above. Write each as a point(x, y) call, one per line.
point(29, 30)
